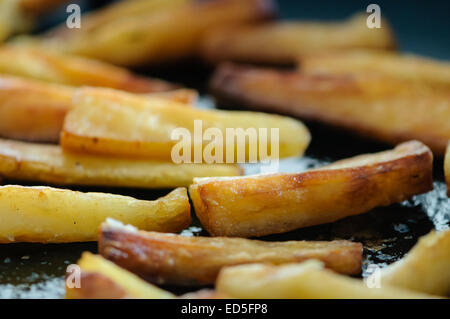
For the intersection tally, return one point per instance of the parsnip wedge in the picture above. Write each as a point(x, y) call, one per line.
point(35, 110)
point(259, 205)
point(165, 32)
point(102, 279)
point(181, 260)
point(41, 64)
point(143, 127)
point(308, 280)
point(425, 71)
point(375, 105)
point(22, 161)
point(283, 42)
point(50, 215)
point(425, 269)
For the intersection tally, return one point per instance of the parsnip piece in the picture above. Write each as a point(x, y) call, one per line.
point(50, 215)
point(143, 127)
point(180, 260)
point(32, 110)
point(101, 279)
point(41, 64)
point(35, 110)
point(49, 164)
point(283, 42)
point(421, 70)
point(169, 30)
point(307, 280)
point(374, 105)
point(259, 205)
point(13, 19)
point(425, 269)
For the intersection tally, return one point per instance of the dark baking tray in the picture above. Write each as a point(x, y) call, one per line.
point(37, 271)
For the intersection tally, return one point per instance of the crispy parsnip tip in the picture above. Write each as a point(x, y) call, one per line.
point(145, 127)
point(160, 31)
point(102, 279)
point(408, 67)
point(425, 269)
point(44, 65)
point(21, 161)
point(180, 260)
point(258, 205)
point(375, 105)
point(283, 42)
point(308, 280)
point(50, 215)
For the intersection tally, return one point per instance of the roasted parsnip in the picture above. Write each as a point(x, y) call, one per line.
point(308, 280)
point(420, 70)
point(50, 215)
point(165, 31)
point(283, 42)
point(375, 105)
point(102, 279)
point(21, 161)
point(13, 18)
point(259, 205)
point(181, 260)
point(35, 110)
point(40, 64)
point(425, 269)
point(144, 127)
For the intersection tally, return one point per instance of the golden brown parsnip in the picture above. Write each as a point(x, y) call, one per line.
point(155, 34)
point(283, 42)
point(41, 64)
point(374, 105)
point(102, 279)
point(308, 280)
point(425, 269)
point(181, 260)
point(50, 215)
point(258, 205)
point(143, 127)
point(48, 164)
point(34, 110)
point(417, 69)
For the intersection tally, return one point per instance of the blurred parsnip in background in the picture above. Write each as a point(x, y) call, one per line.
point(159, 31)
point(308, 280)
point(41, 64)
point(283, 42)
point(373, 104)
point(407, 67)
